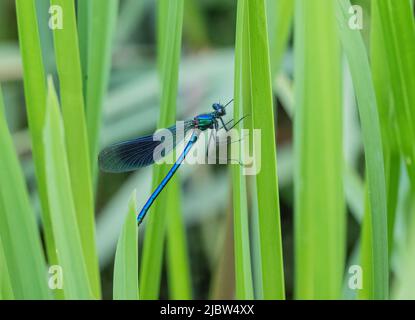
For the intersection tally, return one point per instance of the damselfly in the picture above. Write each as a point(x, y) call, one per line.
point(133, 154)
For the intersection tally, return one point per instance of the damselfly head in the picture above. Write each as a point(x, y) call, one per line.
point(219, 109)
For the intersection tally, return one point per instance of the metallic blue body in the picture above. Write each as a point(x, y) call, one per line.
point(167, 178)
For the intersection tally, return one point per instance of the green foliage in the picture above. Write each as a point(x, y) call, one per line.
point(126, 257)
point(242, 98)
point(35, 95)
point(266, 179)
point(362, 80)
point(99, 51)
point(398, 32)
point(20, 240)
point(72, 101)
point(177, 256)
point(318, 178)
point(280, 16)
point(170, 14)
point(62, 208)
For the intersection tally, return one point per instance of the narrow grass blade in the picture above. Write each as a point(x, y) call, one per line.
point(18, 230)
point(161, 29)
point(169, 46)
point(35, 95)
point(65, 228)
point(255, 242)
point(266, 179)
point(280, 15)
point(70, 78)
point(178, 271)
point(99, 65)
point(366, 253)
point(243, 272)
point(396, 21)
point(85, 18)
point(126, 257)
point(319, 199)
point(362, 80)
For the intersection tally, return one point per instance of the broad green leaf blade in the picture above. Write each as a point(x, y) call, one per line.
point(126, 257)
point(35, 95)
point(318, 179)
point(70, 79)
point(178, 271)
point(355, 51)
point(63, 217)
point(99, 64)
point(267, 182)
point(243, 272)
point(18, 229)
point(169, 48)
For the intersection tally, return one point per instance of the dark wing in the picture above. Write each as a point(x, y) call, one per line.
point(137, 153)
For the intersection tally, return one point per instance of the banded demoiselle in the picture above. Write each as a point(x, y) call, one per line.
point(137, 153)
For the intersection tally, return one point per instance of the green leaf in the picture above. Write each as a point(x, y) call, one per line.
point(126, 257)
point(62, 208)
point(356, 54)
point(388, 124)
point(266, 179)
point(99, 64)
point(18, 229)
point(178, 271)
point(169, 48)
point(195, 26)
point(405, 277)
point(70, 79)
point(85, 16)
point(318, 175)
point(366, 255)
point(35, 94)
point(396, 21)
point(243, 273)
point(46, 37)
point(6, 289)
point(280, 14)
